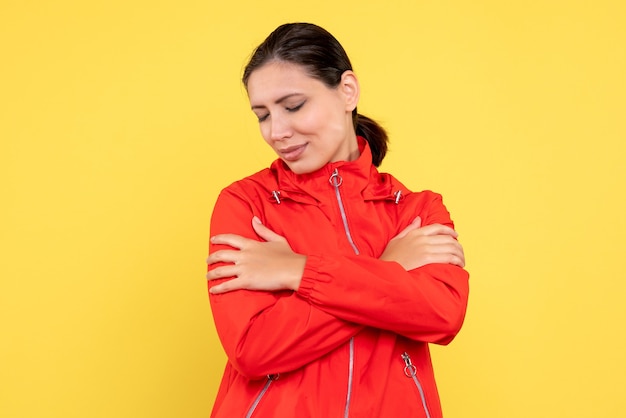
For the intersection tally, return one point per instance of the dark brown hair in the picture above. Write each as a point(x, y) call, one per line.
point(323, 57)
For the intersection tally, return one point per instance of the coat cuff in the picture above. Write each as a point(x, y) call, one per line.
point(310, 276)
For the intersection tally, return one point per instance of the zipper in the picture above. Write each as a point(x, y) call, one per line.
point(411, 371)
point(270, 379)
point(335, 180)
point(346, 411)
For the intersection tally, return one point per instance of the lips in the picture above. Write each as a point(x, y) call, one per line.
point(292, 153)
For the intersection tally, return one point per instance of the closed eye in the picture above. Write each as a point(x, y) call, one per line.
point(295, 108)
point(263, 118)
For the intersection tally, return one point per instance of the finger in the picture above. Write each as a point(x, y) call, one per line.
point(440, 239)
point(446, 248)
point(222, 272)
point(224, 256)
point(233, 240)
point(417, 222)
point(450, 254)
point(445, 258)
point(462, 259)
point(435, 229)
point(227, 286)
point(264, 232)
point(457, 261)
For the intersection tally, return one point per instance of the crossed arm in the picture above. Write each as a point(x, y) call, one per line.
point(272, 265)
point(276, 310)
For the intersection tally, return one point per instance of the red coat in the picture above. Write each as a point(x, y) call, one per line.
point(353, 340)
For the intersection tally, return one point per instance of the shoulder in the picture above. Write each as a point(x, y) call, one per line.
point(254, 186)
point(425, 203)
point(240, 201)
point(394, 184)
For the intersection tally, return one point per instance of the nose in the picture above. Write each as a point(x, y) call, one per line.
point(280, 128)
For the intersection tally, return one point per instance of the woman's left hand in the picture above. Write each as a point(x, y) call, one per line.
point(256, 265)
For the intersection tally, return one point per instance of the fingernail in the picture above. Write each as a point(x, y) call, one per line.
point(255, 219)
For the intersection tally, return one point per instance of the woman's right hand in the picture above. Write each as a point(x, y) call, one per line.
point(416, 246)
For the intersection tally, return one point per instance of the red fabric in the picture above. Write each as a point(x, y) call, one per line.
point(304, 336)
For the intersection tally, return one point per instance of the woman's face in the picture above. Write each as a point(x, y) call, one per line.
point(305, 122)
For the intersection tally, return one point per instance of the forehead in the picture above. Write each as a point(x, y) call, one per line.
point(277, 79)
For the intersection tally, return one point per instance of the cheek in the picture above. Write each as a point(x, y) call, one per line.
point(265, 132)
point(318, 121)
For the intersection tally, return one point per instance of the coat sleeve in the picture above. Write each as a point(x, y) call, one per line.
point(267, 332)
point(425, 304)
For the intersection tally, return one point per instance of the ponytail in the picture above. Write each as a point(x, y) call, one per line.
point(374, 134)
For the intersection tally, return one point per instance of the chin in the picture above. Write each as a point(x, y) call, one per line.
point(302, 167)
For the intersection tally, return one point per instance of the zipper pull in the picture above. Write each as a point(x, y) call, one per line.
point(335, 179)
point(276, 196)
point(398, 196)
point(409, 368)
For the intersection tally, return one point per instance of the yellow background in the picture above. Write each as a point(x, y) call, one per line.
point(121, 120)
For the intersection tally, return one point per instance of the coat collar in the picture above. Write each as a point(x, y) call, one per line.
point(359, 179)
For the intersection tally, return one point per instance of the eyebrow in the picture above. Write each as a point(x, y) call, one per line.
point(281, 99)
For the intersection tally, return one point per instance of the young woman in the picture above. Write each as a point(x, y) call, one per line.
point(327, 279)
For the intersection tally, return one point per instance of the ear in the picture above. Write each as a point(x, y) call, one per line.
point(349, 87)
